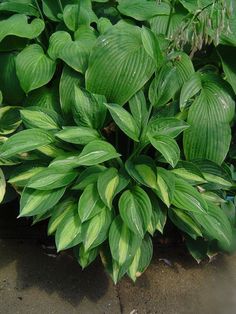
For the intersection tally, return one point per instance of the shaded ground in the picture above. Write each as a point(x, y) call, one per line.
point(31, 282)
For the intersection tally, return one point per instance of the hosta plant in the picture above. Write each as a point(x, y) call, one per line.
point(117, 117)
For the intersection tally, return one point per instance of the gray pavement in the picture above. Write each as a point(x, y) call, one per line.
point(33, 283)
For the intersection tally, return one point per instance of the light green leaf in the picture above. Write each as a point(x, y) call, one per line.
point(88, 109)
point(159, 215)
point(78, 135)
point(18, 25)
point(51, 178)
point(25, 141)
point(119, 48)
point(135, 209)
point(184, 222)
point(187, 198)
point(143, 170)
point(2, 185)
point(209, 116)
point(34, 202)
point(59, 212)
point(95, 231)
point(189, 171)
point(68, 233)
point(85, 258)
point(123, 242)
point(34, 69)
point(165, 186)
point(74, 53)
point(88, 176)
point(107, 185)
point(124, 120)
point(167, 146)
point(90, 203)
point(22, 8)
point(141, 259)
point(139, 109)
point(36, 117)
point(96, 152)
point(21, 175)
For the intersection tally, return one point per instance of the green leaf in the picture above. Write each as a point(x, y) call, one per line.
point(143, 10)
point(25, 141)
point(159, 215)
point(123, 242)
point(85, 258)
point(143, 170)
point(34, 202)
point(190, 89)
point(151, 45)
point(142, 259)
point(139, 109)
point(21, 175)
point(69, 79)
point(228, 63)
point(119, 48)
point(184, 222)
point(166, 126)
point(34, 69)
point(18, 25)
point(209, 116)
point(60, 211)
point(51, 178)
point(22, 8)
point(90, 203)
point(77, 14)
point(170, 79)
point(189, 171)
point(74, 53)
point(124, 120)
point(36, 117)
point(95, 231)
point(88, 109)
point(167, 146)
point(216, 226)
point(68, 233)
point(2, 185)
point(78, 135)
point(96, 152)
point(165, 186)
point(88, 176)
point(9, 119)
point(197, 248)
point(135, 209)
point(107, 185)
point(187, 198)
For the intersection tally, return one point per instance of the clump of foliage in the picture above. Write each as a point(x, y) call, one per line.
point(117, 116)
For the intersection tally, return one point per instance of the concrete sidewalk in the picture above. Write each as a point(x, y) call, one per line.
point(33, 283)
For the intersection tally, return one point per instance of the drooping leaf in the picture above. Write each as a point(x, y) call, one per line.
point(2, 185)
point(165, 186)
point(9, 119)
point(159, 215)
point(96, 230)
point(135, 209)
point(51, 178)
point(34, 202)
point(85, 258)
point(25, 141)
point(34, 69)
point(123, 242)
point(138, 108)
point(120, 48)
